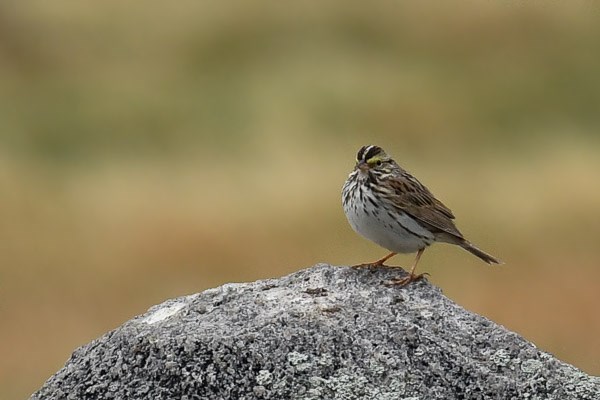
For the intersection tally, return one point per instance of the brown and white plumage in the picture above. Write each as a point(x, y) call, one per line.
point(389, 206)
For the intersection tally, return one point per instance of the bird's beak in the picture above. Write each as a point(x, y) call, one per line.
point(363, 166)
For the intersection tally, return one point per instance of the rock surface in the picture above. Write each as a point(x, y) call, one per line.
point(321, 333)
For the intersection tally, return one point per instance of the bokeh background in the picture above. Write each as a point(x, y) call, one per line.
point(152, 150)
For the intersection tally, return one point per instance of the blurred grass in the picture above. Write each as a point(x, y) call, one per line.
point(151, 152)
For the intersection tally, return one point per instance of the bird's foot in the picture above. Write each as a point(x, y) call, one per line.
point(375, 264)
point(371, 265)
point(401, 282)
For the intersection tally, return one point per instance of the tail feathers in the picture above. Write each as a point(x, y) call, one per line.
point(488, 258)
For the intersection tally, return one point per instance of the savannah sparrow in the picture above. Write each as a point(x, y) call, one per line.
point(390, 207)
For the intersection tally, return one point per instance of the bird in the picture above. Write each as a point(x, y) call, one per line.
point(387, 205)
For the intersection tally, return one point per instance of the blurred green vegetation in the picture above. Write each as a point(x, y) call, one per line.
point(149, 151)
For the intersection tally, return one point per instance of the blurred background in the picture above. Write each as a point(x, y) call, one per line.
point(155, 151)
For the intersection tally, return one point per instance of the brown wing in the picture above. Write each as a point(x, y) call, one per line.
point(415, 199)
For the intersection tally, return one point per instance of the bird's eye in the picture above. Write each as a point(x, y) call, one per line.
point(378, 162)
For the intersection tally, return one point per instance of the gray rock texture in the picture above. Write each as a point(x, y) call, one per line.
point(322, 333)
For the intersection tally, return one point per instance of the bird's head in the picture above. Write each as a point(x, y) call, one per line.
point(372, 158)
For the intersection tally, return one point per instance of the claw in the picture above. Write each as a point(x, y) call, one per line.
point(372, 265)
point(401, 282)
point(375, 264)
point(366, 265)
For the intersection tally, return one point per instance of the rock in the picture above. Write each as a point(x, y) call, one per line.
point(321, 333)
